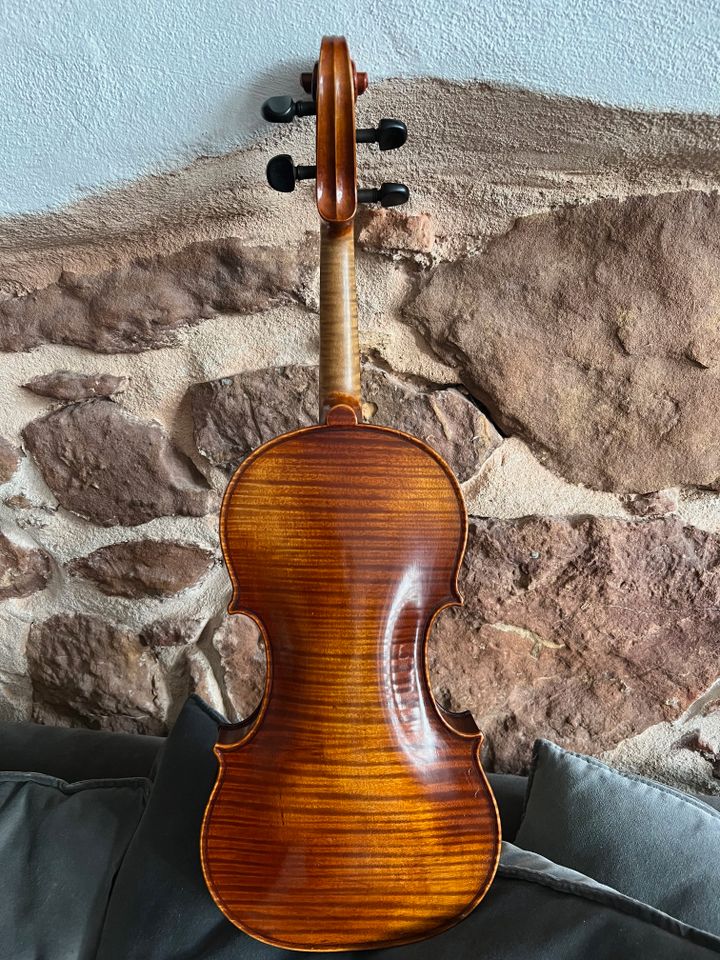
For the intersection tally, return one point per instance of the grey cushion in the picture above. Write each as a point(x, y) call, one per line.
point(531, 867)
point(60, 848)
point(161, 909)
point(74, 754)
point(646, 840)
point(510, 793)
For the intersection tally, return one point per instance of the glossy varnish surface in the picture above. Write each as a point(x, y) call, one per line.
point(349, 812)
point(335, 92)
point(336, 196)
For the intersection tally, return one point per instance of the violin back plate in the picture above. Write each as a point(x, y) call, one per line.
point(349, 812)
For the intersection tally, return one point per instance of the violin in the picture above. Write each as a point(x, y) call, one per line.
point(350, 810)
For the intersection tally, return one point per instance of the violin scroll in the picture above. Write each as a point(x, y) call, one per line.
point(334, 86)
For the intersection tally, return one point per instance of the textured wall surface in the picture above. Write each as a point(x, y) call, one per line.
point(544, 312)
point(96, 93)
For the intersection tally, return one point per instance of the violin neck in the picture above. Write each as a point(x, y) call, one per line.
point(339, 348)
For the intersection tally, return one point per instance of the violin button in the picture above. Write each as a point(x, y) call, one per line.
point(341, 415)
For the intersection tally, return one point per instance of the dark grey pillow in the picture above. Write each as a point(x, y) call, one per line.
point(509, 793)
point(71, 753)
point(646, 840)
point(160, 907)
point(60, 847)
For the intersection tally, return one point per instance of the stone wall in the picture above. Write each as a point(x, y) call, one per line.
point(546, 313)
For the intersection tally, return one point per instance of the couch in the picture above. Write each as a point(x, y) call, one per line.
point(99, 858)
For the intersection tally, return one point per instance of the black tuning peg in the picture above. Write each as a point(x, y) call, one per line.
point(389, 134)
point(282, 173)
point(389, 195)
point(285, 109)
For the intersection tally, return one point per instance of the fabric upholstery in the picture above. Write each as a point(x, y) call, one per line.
point(76, 754)
point(648, 841)
point(509, 793)
point(60, 847)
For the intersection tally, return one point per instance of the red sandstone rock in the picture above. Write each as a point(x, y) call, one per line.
point(242, 659)
point(88, 672)
point(9, 460)
point(582, 630)
point(592, 333)
point(651, 504)
point(140, 306)
point(113, 468)
point(234, 415)
point(71, 385)
point(141, 568)
point(392, 230)
point(22, 570)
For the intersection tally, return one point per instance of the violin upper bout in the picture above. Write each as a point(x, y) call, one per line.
point(347, 501)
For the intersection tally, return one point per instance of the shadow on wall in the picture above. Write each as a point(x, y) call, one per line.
point(232, 111)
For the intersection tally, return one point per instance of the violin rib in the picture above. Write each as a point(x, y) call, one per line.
point(351, 812)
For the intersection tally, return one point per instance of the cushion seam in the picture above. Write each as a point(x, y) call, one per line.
point(121, 861)
point(617, 900)
point(74, 786)
point(531, 777)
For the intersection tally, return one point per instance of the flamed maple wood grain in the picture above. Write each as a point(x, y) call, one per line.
point(350, 812)
point(339, 349)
